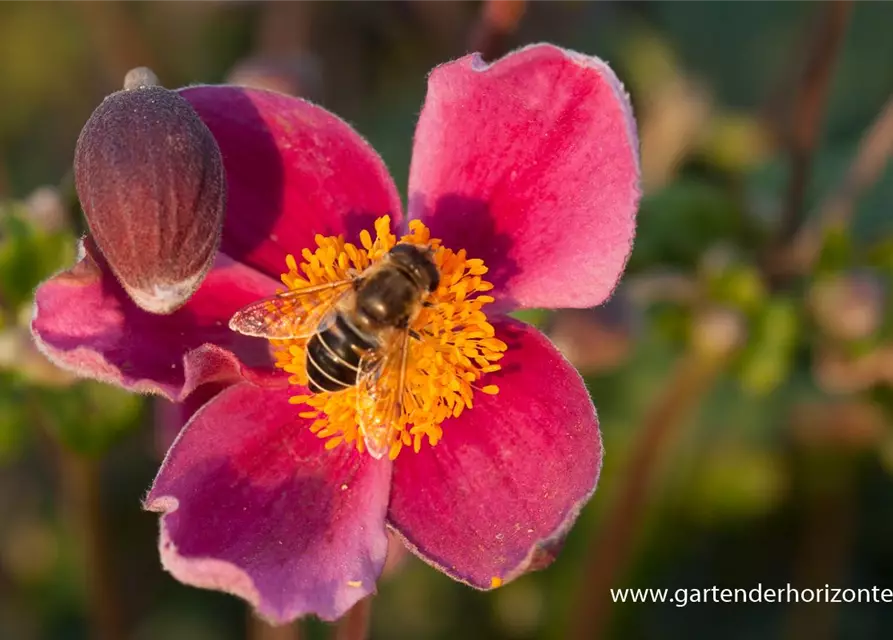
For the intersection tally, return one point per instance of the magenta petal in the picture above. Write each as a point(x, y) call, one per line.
point(254, 505)
point(85, 322)
point(530, 163)
point(171, 417)
point(498, 494)
point(293, 170)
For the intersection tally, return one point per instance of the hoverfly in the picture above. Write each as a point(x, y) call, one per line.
point(359, 331)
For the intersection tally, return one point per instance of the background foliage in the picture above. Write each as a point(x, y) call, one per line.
point(744, 390)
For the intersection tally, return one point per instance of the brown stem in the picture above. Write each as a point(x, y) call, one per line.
point(610, 551)
point(284, 28)
point(499, 19)
point(116, 38)
point(281, 58)
point(82, 488)
point(260, 630)
point(875, 149)
point(827, 541)
point(808, 110)
point(355, 624)
point(872, 156)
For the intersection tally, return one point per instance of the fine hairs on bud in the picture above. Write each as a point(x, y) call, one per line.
point(151, 181)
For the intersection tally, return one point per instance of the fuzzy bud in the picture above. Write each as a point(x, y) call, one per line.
point(151, 181)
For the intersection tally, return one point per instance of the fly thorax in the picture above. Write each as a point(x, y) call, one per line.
point(388, 299)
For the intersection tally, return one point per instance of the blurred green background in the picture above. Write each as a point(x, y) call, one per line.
point(743, 384)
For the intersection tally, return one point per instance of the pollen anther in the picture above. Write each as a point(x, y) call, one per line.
point(453, 346)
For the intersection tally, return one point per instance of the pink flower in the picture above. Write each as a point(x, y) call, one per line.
point(530, 165)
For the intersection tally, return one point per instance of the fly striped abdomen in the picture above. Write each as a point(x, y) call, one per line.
point(333, 357)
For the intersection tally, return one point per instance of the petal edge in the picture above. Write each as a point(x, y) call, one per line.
point(531, 163)
point(83, 321)
point(254, 505)
point(293, 170)
point(498, 494)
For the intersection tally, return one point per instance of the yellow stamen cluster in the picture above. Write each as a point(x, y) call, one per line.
point(454, 348)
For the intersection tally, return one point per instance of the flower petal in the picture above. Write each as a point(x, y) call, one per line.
point(85, 322)
point(171, 417)
point(531, 164)
point(293, 170)
point(496, 497)
point(255, 505)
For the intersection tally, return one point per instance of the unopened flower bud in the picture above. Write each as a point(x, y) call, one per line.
point(151, 181)
point(718, 331)
point(848, 307)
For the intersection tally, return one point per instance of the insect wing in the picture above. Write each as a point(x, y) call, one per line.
point(380, 388)
point(298, 313)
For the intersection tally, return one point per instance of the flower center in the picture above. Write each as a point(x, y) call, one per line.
point(452, 345)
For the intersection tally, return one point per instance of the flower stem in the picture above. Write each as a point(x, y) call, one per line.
point(824, 549)
point(284, 28)
point(355, 624)
point(610, 551)
point(808, 111)
point(117, 38)
point(260, 630)
point(872, 156)
point(492, 33)
point(82, 488)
